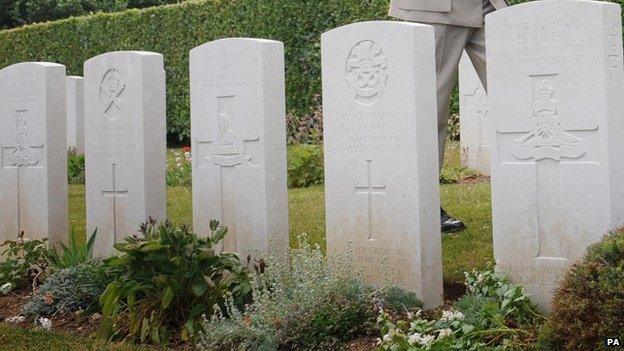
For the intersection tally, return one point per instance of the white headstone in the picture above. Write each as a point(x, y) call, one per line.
point(33, 152)
point(556, 102)
point(125, 144)
point(473, 111)
point(238, 130)
point(75, 114)
point(381, 163)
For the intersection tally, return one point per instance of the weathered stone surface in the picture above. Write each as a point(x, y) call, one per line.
point(125, 144)
point(33, 152)
point(381, 163)
point(473, 110)
point(556, 104)
point(238, 130)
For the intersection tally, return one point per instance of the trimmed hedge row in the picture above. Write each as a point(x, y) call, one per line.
point(173, 30)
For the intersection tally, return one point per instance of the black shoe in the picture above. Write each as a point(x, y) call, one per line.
point(450, 224)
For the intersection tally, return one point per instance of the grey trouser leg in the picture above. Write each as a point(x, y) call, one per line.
point(450, 44)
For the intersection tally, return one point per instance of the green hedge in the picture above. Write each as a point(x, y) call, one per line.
point(175, 29)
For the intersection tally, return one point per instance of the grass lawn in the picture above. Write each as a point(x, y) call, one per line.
point(461, 251)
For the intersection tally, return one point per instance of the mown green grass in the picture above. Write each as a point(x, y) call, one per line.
point(461, 251)
point(19, 339)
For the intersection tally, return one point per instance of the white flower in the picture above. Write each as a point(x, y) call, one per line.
point(5, 288)
point(15, 319)
point(179, 165)
point(414, 339)
point(443, 333)
point(419, 339)
point(178, 159)
point(449, 316)
point(45, 323)
point(387, 337)
point(410, 315)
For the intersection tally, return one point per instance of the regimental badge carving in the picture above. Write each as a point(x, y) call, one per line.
point(23, 153)
point(548, 140)
point(366, 72)
point(112, 89)
point(230, 145)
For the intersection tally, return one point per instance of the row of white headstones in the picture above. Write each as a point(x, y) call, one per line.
point(556, 104)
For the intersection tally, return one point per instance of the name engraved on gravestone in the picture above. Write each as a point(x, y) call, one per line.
point(391, 270)
point(381, 186)
point(125, 148)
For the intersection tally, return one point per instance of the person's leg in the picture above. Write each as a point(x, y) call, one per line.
point(450, 43)
point(476, 47)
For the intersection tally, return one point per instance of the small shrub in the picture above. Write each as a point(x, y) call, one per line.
point(589, 303)
point(68, 290)
point(75, 168)
point(167, 279)
point(26, 263)
point(299, 303)
point(305, 165)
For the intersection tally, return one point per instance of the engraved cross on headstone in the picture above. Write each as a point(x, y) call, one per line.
point(370, 190)
point(546, 145)
point(477, 101)
point(20, 155)
point(114, 193)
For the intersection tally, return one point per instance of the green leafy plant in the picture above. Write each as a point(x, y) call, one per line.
point(75, 168)
point(69, 290)
point(74, 254)
point(494, 315)
point(25, 263)
point(167, 279)
point(305, 165)
point(588, 304)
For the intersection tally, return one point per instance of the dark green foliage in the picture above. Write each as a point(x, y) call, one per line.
point(338, 317)
point(26, 263)
point(174, 30)
point(167, 280)
point(68, 290)
point(589, 303)
point(75, 168)
point(17, 12)
point(305, 165)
